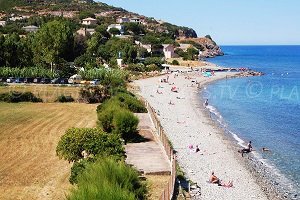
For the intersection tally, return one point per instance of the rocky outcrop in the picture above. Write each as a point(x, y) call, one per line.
point(206, 45)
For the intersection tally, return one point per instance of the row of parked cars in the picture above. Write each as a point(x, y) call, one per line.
point(75, 79)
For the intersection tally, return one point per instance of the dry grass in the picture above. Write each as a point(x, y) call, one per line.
point(48, 93)
point(29, 133)
point(156, 185)
point(186, 63)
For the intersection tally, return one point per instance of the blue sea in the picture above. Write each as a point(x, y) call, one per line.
point(265, 109)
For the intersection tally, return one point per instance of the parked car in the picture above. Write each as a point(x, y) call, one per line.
point(19, 80)
point(37, 80)
point(46, 80)
point(64, 81)
point(28, 80)
point(2, 79)
point(75, 79)
point(95, 82)
point(59, 81)
point(10, 80)
point(55, 81)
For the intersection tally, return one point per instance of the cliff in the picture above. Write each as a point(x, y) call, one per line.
point(206, 44)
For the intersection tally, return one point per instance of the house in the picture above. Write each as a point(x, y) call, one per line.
point(86, 31)
point(185, 47)
point(147, 47)
point(117, 26)
point(135, 20)
point(89, 21)
point(168, 50)
point(2, 23)
point(30, 28)
point(123, 20)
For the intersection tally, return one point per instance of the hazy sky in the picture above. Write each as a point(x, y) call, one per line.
point(227, 21)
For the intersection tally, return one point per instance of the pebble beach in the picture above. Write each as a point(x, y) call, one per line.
point(187, 123)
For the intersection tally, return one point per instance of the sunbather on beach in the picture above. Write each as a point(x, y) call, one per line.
point(215, 180)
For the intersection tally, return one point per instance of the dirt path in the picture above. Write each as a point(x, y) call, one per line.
point(29, 133)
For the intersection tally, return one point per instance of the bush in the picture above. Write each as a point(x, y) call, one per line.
point(125, 124)
point(153, 60)
point(106, 113)
point(30, 72)
point(175, 62)
point(63, 99)
point(136, 67)
point(93, 141)
point(92, 94)
point(15, 97)
point(108, 179)
point(77, 169)
point(131, 102)
point(152, 67)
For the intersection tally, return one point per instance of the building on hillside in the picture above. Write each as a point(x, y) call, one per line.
point(135, 20)
point(147, 47)
point(117, 26)
point(185, 47)
point(2, 23)
point(168, 50)
point(30, 28)
point(123, 20)
point(89, 21)
point(85, 31)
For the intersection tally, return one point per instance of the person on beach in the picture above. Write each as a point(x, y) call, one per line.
point(197, 149)
point(171, 103)
point(206, 103)
point(248, 149)
point(215, 180)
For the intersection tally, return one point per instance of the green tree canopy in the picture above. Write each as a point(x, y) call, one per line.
point(94, 141)
point(54, 41)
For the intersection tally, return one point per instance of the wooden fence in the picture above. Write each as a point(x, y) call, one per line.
point(168, 192)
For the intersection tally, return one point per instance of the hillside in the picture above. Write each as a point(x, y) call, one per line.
point(147, 31)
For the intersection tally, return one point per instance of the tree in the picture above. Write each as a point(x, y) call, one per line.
point(53, 42)
point(91, 140)
point(114, 31)
point(86, 14)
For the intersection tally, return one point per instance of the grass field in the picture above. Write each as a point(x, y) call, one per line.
point(29, 133)
point(156, 185)
point(48, 93)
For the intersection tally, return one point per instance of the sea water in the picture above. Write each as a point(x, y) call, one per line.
point(265, 109)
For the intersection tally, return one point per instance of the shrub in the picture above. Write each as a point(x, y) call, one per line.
point(152, 67)
point(63, 99)
point(30, 72)
point(106, 114)
point(15, 97)
point(92, 94)
point(131, 102)
point(77, 169)
point(108, 179)
point(125, 124)
point(93, 141)
point(136, 67)
point(175, 62)
point(153, 60)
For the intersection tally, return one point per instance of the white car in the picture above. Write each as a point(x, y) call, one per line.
point(75, 79)
point(10, 80)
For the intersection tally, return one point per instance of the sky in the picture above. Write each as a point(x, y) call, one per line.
point(229, 22)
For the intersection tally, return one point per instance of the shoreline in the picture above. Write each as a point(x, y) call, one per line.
point(187, 160)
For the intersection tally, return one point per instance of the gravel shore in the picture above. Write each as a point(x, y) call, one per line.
point(187, 122)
